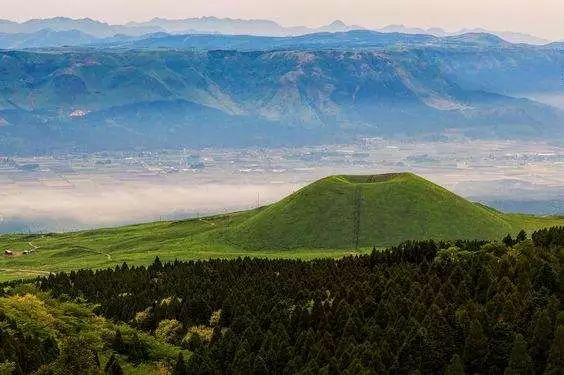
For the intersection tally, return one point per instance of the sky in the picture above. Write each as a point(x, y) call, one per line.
point(544, 18)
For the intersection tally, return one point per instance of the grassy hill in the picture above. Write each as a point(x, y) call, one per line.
point(362, 211)
point(329, 218)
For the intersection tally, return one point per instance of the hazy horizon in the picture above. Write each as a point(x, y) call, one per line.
point(500, 15)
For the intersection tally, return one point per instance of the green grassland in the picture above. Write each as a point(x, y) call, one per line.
point(136, 245)
point(332, 217)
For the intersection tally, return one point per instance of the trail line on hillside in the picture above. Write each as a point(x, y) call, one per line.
point(33, 247)
point(109, 256)
point(89, 250)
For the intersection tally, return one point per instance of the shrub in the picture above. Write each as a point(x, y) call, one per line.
point(197, 337)
point(169, 331)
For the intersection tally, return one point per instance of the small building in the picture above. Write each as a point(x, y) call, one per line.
point(8, 252)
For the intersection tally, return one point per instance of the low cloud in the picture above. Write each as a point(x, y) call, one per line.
point(95, 206)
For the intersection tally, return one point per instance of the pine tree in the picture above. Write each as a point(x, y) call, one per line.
point(555, 363)
point(242, 362)
point(508, 240)
point(199, 363)
point(520, 362)
point(157, 263)
point(521, 236)
point(439, 341)
point(542, 338)
point(179, 366)
point(113, 367)
point(137, 350)
point(475, 346)
point(547, 277)
point(260, 366)
point(500, 343)
point(117, 342)
point(455, 366)
point(356, 368)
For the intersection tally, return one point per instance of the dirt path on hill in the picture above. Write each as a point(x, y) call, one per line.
point(33, 247)
point(109, 256)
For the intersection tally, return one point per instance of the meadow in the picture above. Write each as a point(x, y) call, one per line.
point(135, 245)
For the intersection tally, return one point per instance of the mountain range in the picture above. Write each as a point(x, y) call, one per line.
point(96, 30)
point(216, 90)
point(85, 85)
point(355, 39)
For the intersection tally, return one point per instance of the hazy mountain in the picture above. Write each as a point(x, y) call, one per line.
point(478, 39)
point(512, 37)
point(356, 39)
point(214, 25)
point(43, 38)
point(9, 26)
point(411, 30)
point(112, 99)
point(201, 25)
point(238, 26)
point(325, 40)
point(556, 45)
point(338, 26)
point(85, 25)
point(221, 26)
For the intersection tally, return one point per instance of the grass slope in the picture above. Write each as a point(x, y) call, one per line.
point(134, 244)
point(328, 218)
point(360, 211)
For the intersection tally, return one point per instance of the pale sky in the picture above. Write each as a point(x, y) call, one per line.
point(544, 18)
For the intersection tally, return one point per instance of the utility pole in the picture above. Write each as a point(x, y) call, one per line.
point(258, 199)
point(356, 228)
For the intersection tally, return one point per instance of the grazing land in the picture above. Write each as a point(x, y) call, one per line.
point(336, 216)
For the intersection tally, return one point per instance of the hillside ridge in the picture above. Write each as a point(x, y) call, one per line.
point(347, 211)
point(163, 98)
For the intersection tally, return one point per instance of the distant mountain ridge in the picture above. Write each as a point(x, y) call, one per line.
point(200, 25)
point(123, 98)
point(509, 36)
point(355, 39)
point(45, 38)
point(86, 25)
point(214, 25)
point(65, 90)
